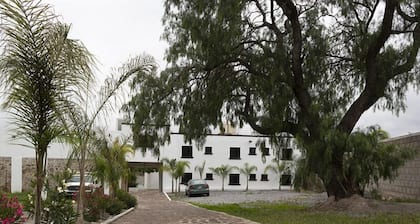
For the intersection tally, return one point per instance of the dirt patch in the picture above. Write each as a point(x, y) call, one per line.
point(357, 205)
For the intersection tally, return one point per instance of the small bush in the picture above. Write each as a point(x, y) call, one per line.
point(115, 207)
point(95, 205)
point(128, 199)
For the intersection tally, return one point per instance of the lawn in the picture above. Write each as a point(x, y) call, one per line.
point(268, 213)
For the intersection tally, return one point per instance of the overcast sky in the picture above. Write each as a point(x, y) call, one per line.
point(114, 30)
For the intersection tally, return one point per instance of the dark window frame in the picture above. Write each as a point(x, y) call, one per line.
point(185, 179)
point(287, 154)
point(264, 177)
point(252, 151)
point(209, 176)
point(252, 177)
point(235, 155)
point(208, 150)
point(234, 179)
point(266, 152)
point(187, 154)
point(286, 179)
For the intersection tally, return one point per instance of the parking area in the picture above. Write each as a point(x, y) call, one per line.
point(219, 197)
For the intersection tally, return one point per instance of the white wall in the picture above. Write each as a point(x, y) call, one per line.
point(221, 149)
point(12, 146)
point(151, 180)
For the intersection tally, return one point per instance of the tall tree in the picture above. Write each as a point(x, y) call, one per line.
point(169, 165)
point(308, 68)
point(79, 120)
point(222, 171)
point(42, 69)
point(247, 170)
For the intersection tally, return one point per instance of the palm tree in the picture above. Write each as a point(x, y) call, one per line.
point(110, 162)
point(170, 166)
point(200, 169)
point(222, 171)
point(79, 121)
point(180, 171)
point(247, 170)
point(278, 167)
point(42, 69)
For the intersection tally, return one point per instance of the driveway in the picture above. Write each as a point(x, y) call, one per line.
point(154, 208)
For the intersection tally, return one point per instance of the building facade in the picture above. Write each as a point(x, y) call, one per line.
point(222, 149)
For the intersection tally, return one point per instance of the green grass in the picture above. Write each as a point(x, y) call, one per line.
point(267, 213)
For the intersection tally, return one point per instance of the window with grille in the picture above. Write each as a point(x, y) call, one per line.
point(252, 151)
point(252, 177)
point(187, 152)
point(235, 153)
point(234, 179)
point(264, 177)
point(208, 151)
point(209, 176)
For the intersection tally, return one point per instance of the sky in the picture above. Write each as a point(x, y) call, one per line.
point(115, 30)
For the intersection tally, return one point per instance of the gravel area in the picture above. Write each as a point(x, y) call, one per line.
point(228, 197)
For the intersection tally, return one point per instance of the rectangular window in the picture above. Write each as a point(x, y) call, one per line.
point(235, 153)
point(286, 179)
point(186, 152)
point(252, 151)
point(287, 154)
point(234, 179)
point(208, 151)
point(252, 177)
point(209, 176)
point(186, 178)
point(266, 151)
point(264, 177)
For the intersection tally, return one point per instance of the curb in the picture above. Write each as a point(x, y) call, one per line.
point(169, 199)
point(108, 221)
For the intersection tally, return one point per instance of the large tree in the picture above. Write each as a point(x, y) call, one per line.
point(309, 68)
point(42, 70)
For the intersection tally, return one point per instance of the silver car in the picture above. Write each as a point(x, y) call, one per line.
point(197, 187)
point(72, 185)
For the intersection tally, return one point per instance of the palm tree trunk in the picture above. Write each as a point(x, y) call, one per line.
point(80, 205)
point(40, 175)
point(280, 183)
point(223, 184)
point(246, 185)
point(173, 184)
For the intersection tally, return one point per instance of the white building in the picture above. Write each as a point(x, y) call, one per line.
point(235, 149)
point(229, 149)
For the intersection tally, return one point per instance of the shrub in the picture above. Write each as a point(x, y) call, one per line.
point(11, 210)
point(57, 207)
point(128, 199)
point(115, 207)
point(95, 205)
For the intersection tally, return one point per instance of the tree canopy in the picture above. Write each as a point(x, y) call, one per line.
point(308, 68)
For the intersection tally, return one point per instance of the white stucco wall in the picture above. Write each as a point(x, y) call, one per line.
point(11, 146)
point(221, 149)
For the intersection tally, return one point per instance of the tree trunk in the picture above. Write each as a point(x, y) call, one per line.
point(246, 189)
point(223, 184)
point(339, 186)
point(40, 175)
point(80, 205)
point(172, 184)
point(280, 183)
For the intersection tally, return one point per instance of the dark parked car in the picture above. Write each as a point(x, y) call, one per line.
point(197, 187)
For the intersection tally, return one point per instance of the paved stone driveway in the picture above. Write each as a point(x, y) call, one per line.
point(153, 207)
